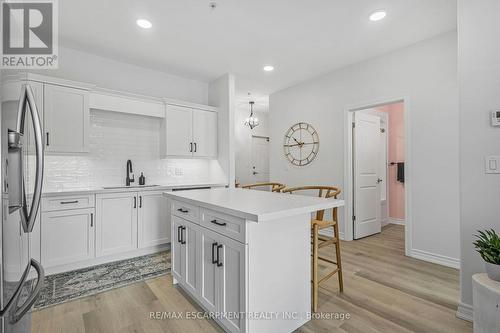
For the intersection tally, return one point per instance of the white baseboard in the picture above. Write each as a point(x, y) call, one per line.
point(385, 222)
point(435, 258)
point(329, 233)
point(392, 220)
point(465, 311)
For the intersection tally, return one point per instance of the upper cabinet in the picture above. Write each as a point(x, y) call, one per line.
point(66, 119)
point(189, 132)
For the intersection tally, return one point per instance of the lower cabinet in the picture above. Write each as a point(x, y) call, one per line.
point(212, 268)
point(67, 236)
point(152, 226)
point(116, 224)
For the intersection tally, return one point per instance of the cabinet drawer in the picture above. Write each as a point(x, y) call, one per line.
point(186, 211)
point(227, 225)
point(67, 202)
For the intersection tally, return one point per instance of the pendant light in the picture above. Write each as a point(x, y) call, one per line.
point(252, 121)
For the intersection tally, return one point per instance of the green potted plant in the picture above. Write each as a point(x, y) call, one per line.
point(488, 246)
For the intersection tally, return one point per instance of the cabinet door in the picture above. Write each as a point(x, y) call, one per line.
point(231, 276)
point(67, 236)
point(178, 257)
point(205, 133)
point(116, 223)
point(153, 223)
point(66, 116)
point(208, 279)
point(191, 244)
point(178, 131)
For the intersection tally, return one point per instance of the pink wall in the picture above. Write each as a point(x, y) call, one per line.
point(396, 153)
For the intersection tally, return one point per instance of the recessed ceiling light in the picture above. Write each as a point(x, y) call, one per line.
point(268, 68)
point(143, 23)
point(378, 15)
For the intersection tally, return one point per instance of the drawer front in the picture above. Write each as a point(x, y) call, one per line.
point(67, 202)
point(186, 211)
point(227, 225)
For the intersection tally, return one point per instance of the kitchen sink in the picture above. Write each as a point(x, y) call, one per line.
point(131, 186)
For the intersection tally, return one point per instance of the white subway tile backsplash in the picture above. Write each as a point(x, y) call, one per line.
point(114, 138)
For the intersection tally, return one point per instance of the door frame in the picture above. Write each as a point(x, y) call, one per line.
point(348, 166)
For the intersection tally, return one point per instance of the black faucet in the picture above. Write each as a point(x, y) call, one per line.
point(129, 180)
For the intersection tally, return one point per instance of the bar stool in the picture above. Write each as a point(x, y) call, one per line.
point(275, 187)
point(319, 241)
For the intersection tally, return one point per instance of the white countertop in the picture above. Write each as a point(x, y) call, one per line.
point(160, 187)
point(254, 205)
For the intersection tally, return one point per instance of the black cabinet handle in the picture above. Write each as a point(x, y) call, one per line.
point(69, 202)
point(182, 210)
point(190, 147)
point(140, 201)
point(91, 220)
point(219, 264)
point(183, 241)
point(135, 202)
point(47, 141)
point(195, 147)
point(178, 234)
point(218, 223)
point(214, 246)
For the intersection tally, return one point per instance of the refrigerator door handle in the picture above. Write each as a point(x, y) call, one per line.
point(26, 306)
point(27, 99)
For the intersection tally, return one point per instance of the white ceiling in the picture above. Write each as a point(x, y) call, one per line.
point(302, 39)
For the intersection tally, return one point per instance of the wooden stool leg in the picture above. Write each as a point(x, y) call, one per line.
point(315, 269)
point(339, 261)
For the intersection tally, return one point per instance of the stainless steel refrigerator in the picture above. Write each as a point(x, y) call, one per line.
point(21, 181)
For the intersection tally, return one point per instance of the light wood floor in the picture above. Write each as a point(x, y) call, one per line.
point(384, 292)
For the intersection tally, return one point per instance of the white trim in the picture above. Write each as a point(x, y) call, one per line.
point(465, 311)
point(348, 111)
point(392, 220)
point(435, 258)
point(329, 233)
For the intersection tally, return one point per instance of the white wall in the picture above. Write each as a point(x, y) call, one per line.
point(479, 81)
point(243, 141)
point(221, 93)
point(108, 73)
point(426, 73)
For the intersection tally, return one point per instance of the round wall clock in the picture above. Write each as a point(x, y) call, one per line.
point(301, 144)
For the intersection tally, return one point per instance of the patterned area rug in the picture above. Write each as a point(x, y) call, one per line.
point(64, 287)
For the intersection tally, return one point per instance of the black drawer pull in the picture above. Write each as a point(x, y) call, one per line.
point(183, 241)
point(219, 264)
point(182, 210)
point(178, 234)
point(214, 246)
point(218, 223)
point(69, 202)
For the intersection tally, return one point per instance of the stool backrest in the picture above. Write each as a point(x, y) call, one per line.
point(275, 187)
point(323, 192)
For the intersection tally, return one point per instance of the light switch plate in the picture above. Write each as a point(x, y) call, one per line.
point(492, 164)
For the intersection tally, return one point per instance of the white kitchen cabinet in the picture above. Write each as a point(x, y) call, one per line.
point(209, 286)
point(185, 248)
point(178, 255)
point(116, 223)
point(189, 132)
point(204, 133)
point(152, 221)
point(66, 119)
point(67, 236)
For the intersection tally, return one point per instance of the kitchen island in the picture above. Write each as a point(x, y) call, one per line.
point(244, 255)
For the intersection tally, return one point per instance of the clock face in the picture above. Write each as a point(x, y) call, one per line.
point(301, 144)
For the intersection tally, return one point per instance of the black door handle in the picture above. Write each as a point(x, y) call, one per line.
point(178, 234)
point(218, 223)
point(219, 264)
point(183, 241)
point(135, 202)
point(140, 201)
point(190, 147)
point(47, 141)
point(195, 147)
point(182, 210)
point(214, 246)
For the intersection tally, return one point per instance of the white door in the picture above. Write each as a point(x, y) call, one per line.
point(190, 245)
point(178, 256)
point(260, 160)
point(66, 117)
point(67, 236)
point(178, 131)
point(209, 284)
point(231, 276)
point(116, 223)
point(366, 158)
point(204, 133)
point(153, 223)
